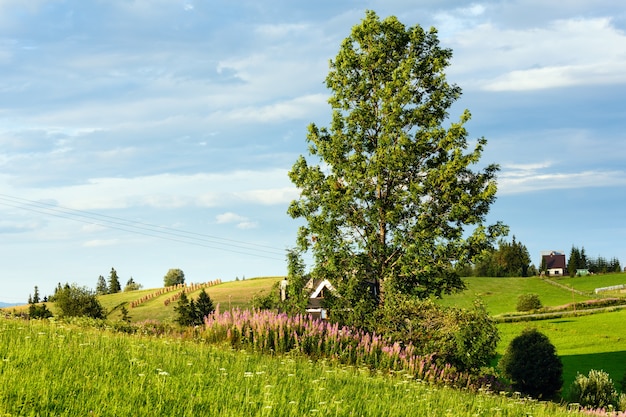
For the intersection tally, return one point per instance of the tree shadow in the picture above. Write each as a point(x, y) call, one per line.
point(613, 363)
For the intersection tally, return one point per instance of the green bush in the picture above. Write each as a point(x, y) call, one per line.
point(595, 390)
point(463, 338)
point(528, 302)
point(75, 301)
point(532, 365)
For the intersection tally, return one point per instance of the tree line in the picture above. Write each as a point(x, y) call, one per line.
point(579, 262)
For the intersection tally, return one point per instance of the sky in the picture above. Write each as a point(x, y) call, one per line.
point(144, 135)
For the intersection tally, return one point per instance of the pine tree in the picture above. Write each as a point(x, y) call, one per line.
point(101, 286)
point(114, 282)
point(204, 307)
point(36, 295)
point(184, 313)
point(574, 261)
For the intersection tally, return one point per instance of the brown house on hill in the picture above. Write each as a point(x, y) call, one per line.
point(553, 263)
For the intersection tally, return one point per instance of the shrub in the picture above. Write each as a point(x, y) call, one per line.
point(36, 311)
point(464, 338)
point(528, 302)
point(74, 301)
point(595, 390)
point(532, 365)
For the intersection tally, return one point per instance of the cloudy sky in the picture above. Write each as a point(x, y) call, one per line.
point(146, 135)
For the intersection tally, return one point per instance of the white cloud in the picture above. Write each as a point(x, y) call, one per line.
point(532, 178)
point(266, 187)
point(241, 221)
point(270, 196)
point(566, 52)
point(282, 29)
point(297, 108)
point(229, 218)
point(100, 242)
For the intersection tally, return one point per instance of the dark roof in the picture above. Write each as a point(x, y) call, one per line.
point(554, 261)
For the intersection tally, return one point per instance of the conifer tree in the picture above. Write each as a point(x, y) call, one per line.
point(101, 286)
point(114, 282)
point(204, 307)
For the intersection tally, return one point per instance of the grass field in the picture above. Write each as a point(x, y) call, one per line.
point(587, 342)
point(584, 342)
point(62, 370)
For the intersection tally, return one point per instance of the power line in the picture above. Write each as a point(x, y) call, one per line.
point(141, 228)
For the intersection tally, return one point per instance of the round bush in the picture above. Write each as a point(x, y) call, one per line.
point(532, 365)
point(596, 390)
point(528, 302)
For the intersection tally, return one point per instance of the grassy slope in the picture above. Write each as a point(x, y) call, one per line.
point(64, 370)
point(500, 294)
point(233, 294)
point(583, 343)
point(586, 342)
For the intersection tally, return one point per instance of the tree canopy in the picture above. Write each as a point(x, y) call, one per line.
point(174, 276)
point(390, 192)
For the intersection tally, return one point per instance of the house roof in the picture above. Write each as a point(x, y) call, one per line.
point(320, 287)
point(555, 261)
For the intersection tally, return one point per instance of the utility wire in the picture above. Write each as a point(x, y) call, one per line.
point(146, 229)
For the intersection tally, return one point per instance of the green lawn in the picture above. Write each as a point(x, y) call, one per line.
point(56, 369)
point(595, 341)
point(500, 294)
point(590, 283)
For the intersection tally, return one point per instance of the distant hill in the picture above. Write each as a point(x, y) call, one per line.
point(3, 305)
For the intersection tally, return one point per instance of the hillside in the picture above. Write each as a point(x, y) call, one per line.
point(232, 294)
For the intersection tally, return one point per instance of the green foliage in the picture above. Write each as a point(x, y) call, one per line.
point(131, 285)
point(74, 301)
point(36, 311)
point(192, 313)
point(114, 282)
point(101, 286)
point(509, 260)
point(531, 363)
point(204, 306)
point(595, 390)
point(36, 299)
point(464, 338)
point(528, 302)
point(125, 316)
point(174, 276)
point(390, 207)
point(599, 265)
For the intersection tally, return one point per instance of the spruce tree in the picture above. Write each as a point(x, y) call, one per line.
point(101, 286)
point(204, 307)
point(184, 312)
point(114, 282)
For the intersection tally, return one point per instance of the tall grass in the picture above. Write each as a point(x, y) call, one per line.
point(57, 369)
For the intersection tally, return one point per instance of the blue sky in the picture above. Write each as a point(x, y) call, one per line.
point(146, 135)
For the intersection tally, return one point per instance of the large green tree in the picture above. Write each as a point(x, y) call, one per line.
point(390, 194)
point(174, 276)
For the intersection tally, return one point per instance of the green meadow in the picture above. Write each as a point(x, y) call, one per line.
point(49, 368)
point(66, 370)
point(584, 342)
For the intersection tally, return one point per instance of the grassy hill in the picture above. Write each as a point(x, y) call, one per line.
point(583, 342)
point(232, 294)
